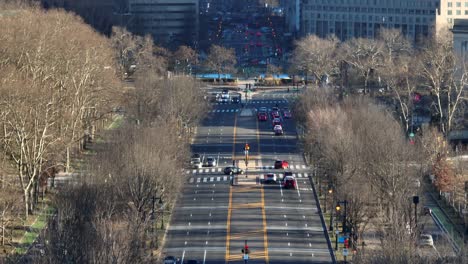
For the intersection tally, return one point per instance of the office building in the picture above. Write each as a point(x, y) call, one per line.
point(173, 22)
point(363, 18)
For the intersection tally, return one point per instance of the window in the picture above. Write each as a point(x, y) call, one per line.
point(449, 4)
point(449, 12)
point(466, 4)
point(458, 4)
point(458, 12)
point(466, 12)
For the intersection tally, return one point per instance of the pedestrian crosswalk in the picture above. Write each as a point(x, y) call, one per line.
point(253, 101)
point(210, 179)
point(224, 111)
point(218, 170)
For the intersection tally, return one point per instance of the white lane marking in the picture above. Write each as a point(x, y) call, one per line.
point(211, 179)
point(219, 169)
point(298, 192)
point(303, 216)
point(204, 255)
point(289, 244)
point(194, 198)
point(224, 178)
point(218, 178)
point(286, 224)
point(207, 170)
point(191, 180)
point(185, 243)
point(308, 234)
point(205, 179)
point(281, 190)
point(212, 170)
point(303, 166)
point(190, 215)
point(299, 175)
point(306, 175)
point(222, 111)
point(198, 180)
point(187, 172)
point(183, 255)
point(284, 216)
point(206, 242)
point(194, 171)
point(310, 245)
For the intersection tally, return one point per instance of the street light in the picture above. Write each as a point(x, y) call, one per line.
point(330, 191)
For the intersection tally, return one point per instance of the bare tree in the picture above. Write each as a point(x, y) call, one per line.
point(446, 77)
point(315, 56)
point(365, 55)
point(184, 58)
point(221, 59)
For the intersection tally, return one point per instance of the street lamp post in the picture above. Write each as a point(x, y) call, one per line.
point(330, 191)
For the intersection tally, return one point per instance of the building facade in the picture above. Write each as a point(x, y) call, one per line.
point(363, 18)
point(169, 22)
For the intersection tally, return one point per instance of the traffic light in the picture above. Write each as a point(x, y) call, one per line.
point(247, 147)
point(246, 250)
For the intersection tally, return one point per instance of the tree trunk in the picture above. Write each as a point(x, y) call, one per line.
point(67, 166)
point(26, 203)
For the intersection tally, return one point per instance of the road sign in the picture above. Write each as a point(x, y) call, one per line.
point(341, 239)
point(345, 252)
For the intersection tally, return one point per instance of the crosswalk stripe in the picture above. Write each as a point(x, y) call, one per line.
point(306, 175)
point(224, 178)
point(198, 180)
point(192, 180)
point(222, 111)
point(299, 175)
point(194, 171)
point(205, 179)
point(187, 172)
point(207, 170)
point(294, 175)
point(211, 179)
point(218, 178)
point(212, 170)
point(303, 166)
point(219, 169)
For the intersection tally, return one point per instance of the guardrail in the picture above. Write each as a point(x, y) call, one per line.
point(452, 241)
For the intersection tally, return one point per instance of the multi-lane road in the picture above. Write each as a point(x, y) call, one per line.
point(213, 219)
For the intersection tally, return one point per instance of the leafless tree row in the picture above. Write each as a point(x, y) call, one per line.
point(391, 63)
point(56, 83)
point(360, 152)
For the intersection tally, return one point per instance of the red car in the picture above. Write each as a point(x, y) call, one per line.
point(262, 116)
point(289, 182)
point(281, 164)
point(287, 113)
point(275, 114)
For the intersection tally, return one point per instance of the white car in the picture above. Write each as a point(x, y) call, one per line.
point(425, 240)
point(270, 178)
point(210, 162)
point(197, 165)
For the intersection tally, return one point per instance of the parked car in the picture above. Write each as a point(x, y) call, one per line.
point(425, 240)
point(281, 164)
point(233, 170)
point(289, 182)
point(210, 162)
point(269, 178)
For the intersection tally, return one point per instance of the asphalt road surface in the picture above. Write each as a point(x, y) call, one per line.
point(213, 219)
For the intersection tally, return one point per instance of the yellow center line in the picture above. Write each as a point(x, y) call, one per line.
point(265, 234)
point(228, 224)
point(248, 205)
